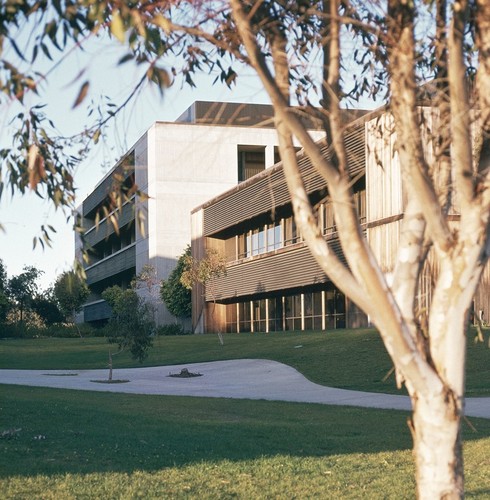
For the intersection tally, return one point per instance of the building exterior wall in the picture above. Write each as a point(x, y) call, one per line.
point(277, 285)
point(282, 287)
point(179, 166)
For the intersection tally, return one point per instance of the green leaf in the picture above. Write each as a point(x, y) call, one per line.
point(124, 59)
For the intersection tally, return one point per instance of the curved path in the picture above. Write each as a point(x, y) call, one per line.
point(242, 379)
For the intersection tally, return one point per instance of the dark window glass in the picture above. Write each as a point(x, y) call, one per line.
point(251, 161)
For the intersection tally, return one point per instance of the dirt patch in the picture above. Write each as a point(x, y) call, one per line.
point(116, 381)
point(185, 373)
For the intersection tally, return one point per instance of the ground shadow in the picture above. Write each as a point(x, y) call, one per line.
point(86, 432)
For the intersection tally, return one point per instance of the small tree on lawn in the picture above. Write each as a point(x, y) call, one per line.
point(204, 272)
point(131, 325)
point(176, 296)
point(71, 292)
point(22, 289)
point(47, 307)
point(4, 301)
point(147, 281)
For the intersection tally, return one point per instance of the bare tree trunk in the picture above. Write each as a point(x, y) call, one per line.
point(110, 365)
point(75, 324)
point(437, 447)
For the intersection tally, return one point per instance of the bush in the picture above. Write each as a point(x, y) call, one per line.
point(12, 331)
point(172, 329)
point(61, 331)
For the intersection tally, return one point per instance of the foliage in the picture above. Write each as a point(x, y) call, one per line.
point(71, 292)
point(23, 288)
point(4, 307)
point(131, 324)
point(146, 279)
point(203, 271)
point(176, 296)
point(4, 301)
point(172, 329)
point(3, 277)
point(46, 307)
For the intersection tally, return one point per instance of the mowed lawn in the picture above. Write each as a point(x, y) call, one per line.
point(60, 444)
point(350, 359)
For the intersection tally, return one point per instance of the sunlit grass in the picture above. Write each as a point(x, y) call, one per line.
point(76, 444)
point(352, 359)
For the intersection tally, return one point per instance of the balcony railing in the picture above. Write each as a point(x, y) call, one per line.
point(116, 263)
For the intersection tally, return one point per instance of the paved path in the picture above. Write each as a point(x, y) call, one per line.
point(242, 379)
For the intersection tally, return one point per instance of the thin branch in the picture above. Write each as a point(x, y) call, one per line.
point(404, 106)
point(460, 117)
point(397, 339)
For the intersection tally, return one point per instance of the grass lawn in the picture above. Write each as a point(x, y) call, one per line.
point(350, 359)
point(76, 444)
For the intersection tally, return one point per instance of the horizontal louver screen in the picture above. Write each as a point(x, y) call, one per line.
point(121, 261)
point(97, 312)
point(269, 190)
point(281, 271)
point(105, 229)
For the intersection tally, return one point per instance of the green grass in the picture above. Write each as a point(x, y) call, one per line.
point(351, 359)
point(106, 445)
point(77, 444)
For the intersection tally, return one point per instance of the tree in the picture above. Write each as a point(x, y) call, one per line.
point(203, 272)
point(71, 292)
point(147, 282)
point(131, 325)
point(323, 55)
point(3, 277)
point(22, 289)
point(46, 307)
point(4, 301)
point(176, 296)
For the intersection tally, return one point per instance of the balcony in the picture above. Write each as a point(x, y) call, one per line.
point(106, 228)
point(97, 311)
point(114, 264)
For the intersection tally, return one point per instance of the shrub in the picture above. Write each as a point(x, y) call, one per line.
point(172, 329)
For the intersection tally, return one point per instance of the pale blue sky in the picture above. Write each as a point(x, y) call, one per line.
point(23, 216)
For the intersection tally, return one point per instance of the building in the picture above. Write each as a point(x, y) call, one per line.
point(212, 147)
point(272, 282)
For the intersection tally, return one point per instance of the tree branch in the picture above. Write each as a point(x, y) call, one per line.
point(460, 116)
point(397, 339)
point(409, 144)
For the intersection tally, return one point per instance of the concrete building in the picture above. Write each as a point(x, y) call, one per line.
point(211, 148)
point(272, 282)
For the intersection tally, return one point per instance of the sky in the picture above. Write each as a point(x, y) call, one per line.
point(22, 216)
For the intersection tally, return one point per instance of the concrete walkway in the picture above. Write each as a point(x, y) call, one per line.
point(241, 379)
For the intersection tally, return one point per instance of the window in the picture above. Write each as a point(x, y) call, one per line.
point(231, 319)
point(291, 235)
point(335, 310)
point(251, 161)
point(259, 307)
point(293, 312)
point(258, 241)
point(274, 238)
point(242, 246)
point(244, 316)
point(328, 218)
point(275, 314)
point(313, 310)
point(360, 201)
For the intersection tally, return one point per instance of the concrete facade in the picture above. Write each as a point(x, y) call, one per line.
point(179, 165)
